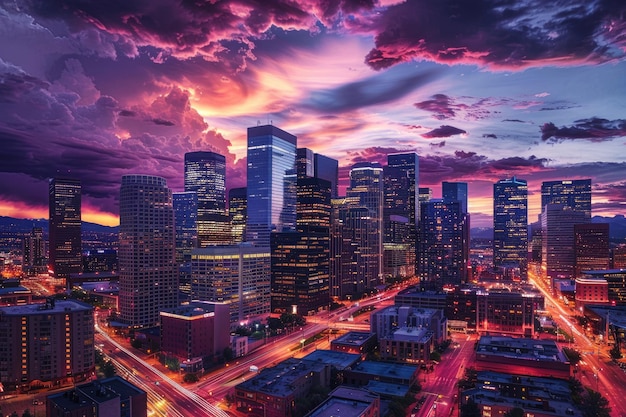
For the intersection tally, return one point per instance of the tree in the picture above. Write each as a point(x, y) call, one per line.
point(573, 355)
point(228, 354)
point(27, 413)
point(615, 352)
point(595, 405)
point(190, 378)
point(515, 412)
point(435, 356)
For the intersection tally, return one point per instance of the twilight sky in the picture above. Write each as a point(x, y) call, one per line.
point(482, 90)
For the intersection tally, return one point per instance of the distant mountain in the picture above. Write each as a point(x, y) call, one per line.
point(13, 225)
point(483, 233)
point(617, 226)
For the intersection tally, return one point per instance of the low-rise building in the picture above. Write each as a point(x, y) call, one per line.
point(348, 402)
point(407, 344)
point(522, 356)
point(394, 373)
point(273, 391)
point(111, 397)
point(386, 321)
point(497, 393)
point(354, 342)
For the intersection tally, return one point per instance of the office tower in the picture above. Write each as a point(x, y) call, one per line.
point(300, 258)
point(366, 226)
point(425, 194)
point(619, 257)
point(510, 224)
point(305, 163)
point(205, 173)
point(327, 169)
point(400, 214)
point(100, 260)
point(185, 206)
point(557, 241)
point(238, 213)
point(572, 194)
point(443, 252)
point(271, 157)
point(33, 252)
point(591, 246)
point(50, 343)
point(455, 191)
point(238, 275)
point(148, 272)
point(65, 227)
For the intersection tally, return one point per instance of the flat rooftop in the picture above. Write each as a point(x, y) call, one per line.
point(60, 306)
point(345, 402)
point(353, 338)
point(521, 348)
point(338, 360)
point(394, 370)
point(279, 380)
point(420, 335)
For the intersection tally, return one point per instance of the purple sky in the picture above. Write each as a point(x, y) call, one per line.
point(482, 90)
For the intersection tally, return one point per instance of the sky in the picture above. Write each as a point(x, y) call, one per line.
point(482, 90)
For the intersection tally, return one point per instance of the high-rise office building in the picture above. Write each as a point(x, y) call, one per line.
point(205, 173)
point(575, 194)
point(148, 272)
point(238, 213)
point(400, 214)
point(327, 169)
point(46, 343)
point(591, 245)
point(33, 252)
point(443, 247)
point(238, 275)
point(65, 227)
point(271, 158)
point(425, 194)
point(510, 224)
point(300, 258)
point(185, 206)
point(558, 256)
point(455, 191)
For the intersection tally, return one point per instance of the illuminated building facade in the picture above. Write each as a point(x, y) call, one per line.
point(238, 275)
point(238, 213)
point(205, 173)
point(186, 224)
point(510, 225)
point(148, 272)
point(400, 214)
point(271, 157)
point(46, 344)
point(65, 227)
point(591, 246)
point(33, 252)
point(572, 194)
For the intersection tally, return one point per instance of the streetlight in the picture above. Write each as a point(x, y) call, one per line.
point(302, 341)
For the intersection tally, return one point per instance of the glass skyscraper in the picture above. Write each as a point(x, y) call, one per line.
point(238, 213)
point(205, 173)
point(271, 159)
point(185, 215)
point(575, 194)
point(65, 227)
point(510, 224)
point(147, 269)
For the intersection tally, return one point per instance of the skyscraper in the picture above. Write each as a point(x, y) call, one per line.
point(300, 258)
point(238, 213)
point(185, 206)
point(271, 157)
point(327, 169)
point(65, 227)
point(205, 173)
point(575, 194)
point(510, 224)
point(147, 269)
point(455, 191)
point(33, 252)
point(400, 214)
point(591, 245)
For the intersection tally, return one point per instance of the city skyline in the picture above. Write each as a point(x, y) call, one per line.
point(95, 93)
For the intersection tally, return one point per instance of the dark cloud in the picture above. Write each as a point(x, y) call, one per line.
point(513, 120)
point(438, 144)
point(377, 89)
point(594, 130)
point(440, 105)
point(505, 34)
point(162, 122)
point(444, 107)
point(127, 113)
point(490, 136)
point(443, 131)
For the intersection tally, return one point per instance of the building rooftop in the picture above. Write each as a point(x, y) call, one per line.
point(193, 309)
point(396, 370)
point(520, 348)
point(278, 380)
point(419, 335)
point(55, 307)
point(338, 360)
point(345, 402)
point(353, 338)
point(96, 392)
point(386, 389)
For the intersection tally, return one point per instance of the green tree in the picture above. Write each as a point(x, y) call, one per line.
point(228, 354)
point(615, 352)
point(515, 412)
point(108, 369)
point(595, 405)
point(27, 413)
point(435, 356)
point(190, 378)
point(136, 343)
point(573, 355)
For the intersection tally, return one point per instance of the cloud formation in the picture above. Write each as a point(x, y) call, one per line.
point(500, 34)
point(594, 129)
point(444, 131)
